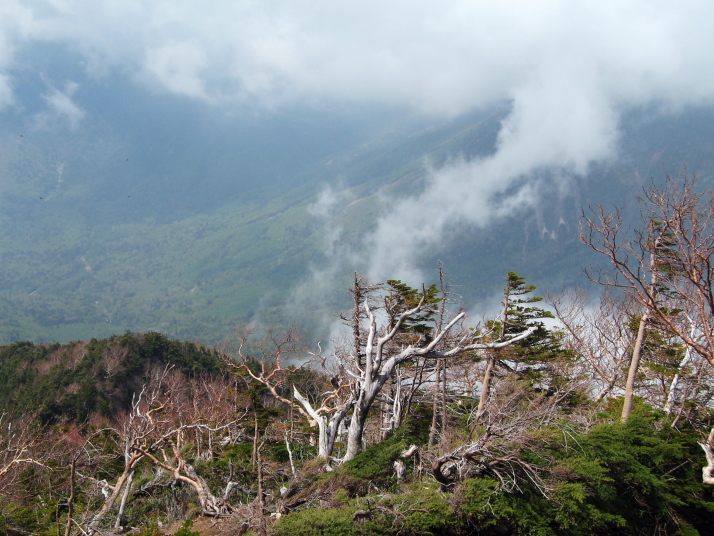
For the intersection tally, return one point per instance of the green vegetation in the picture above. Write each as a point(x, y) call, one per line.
point(418, 425)
point(586, 473)
point(612, 479)
point(173, 253)
point(62, 383)
point(193, 249)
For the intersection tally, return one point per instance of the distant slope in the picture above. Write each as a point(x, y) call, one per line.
point(89, 250)
point(189, 235)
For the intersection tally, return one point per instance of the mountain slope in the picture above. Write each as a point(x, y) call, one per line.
point(121, 228)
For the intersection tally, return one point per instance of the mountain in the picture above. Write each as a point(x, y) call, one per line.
point(157, 213)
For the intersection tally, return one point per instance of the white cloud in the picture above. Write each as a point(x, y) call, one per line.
point(438, 57)
point(178, 67)
point(61, 107)
point(329, 201)
point(13, 20)
point(6, 98)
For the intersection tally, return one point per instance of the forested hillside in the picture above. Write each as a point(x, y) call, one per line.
point(68, 383)
point(111, 230)
point(556, 416)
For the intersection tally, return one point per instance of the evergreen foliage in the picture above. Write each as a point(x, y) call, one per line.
point(616, 479)
point(69, 382)
point(402, 297)
point(520, 313)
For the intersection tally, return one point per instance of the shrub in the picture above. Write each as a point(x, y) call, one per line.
point(375, 463)
point(618, 479)
point(317, 522)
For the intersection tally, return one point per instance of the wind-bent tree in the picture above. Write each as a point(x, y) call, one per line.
point(398, 340)
point(388, 329)
point(666, 267)
point(518, 315)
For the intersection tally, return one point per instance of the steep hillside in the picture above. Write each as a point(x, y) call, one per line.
point(106, 233)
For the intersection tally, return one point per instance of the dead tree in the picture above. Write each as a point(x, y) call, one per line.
point(599, 334)
point(369, 361)
point(381, 358)
point(511, 425)
point(411, 330)
point(132, 431)
point(156, 426)
point(22, 444)
point(665, 267)
point(268, 367)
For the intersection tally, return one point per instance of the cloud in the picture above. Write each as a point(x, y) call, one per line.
point(6, 98)
point(13, 19)
point(441, 58)
point(558, 126)
point(61, 108)
point(331, 199)
point(177, 67)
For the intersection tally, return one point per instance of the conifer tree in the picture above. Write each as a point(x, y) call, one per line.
point(519, 314)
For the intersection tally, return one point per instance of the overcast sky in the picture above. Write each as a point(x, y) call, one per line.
point(440, 57)
point(570, 68)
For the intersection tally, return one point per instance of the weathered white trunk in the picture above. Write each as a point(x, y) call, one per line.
point(708, 470)
point(360, 413)
point(400, 470)
point(122, 503)
point(326, 428)
point(327, 435)
point(371, 387)
point(378, 368)
point(210, 504)
point(290, 454)
point(435, 406)
point(485, 388)
point(355, 432)
point(672, 393)
point(634, 368)
point(183, 472)
point(394, 417)
point(116, 491)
